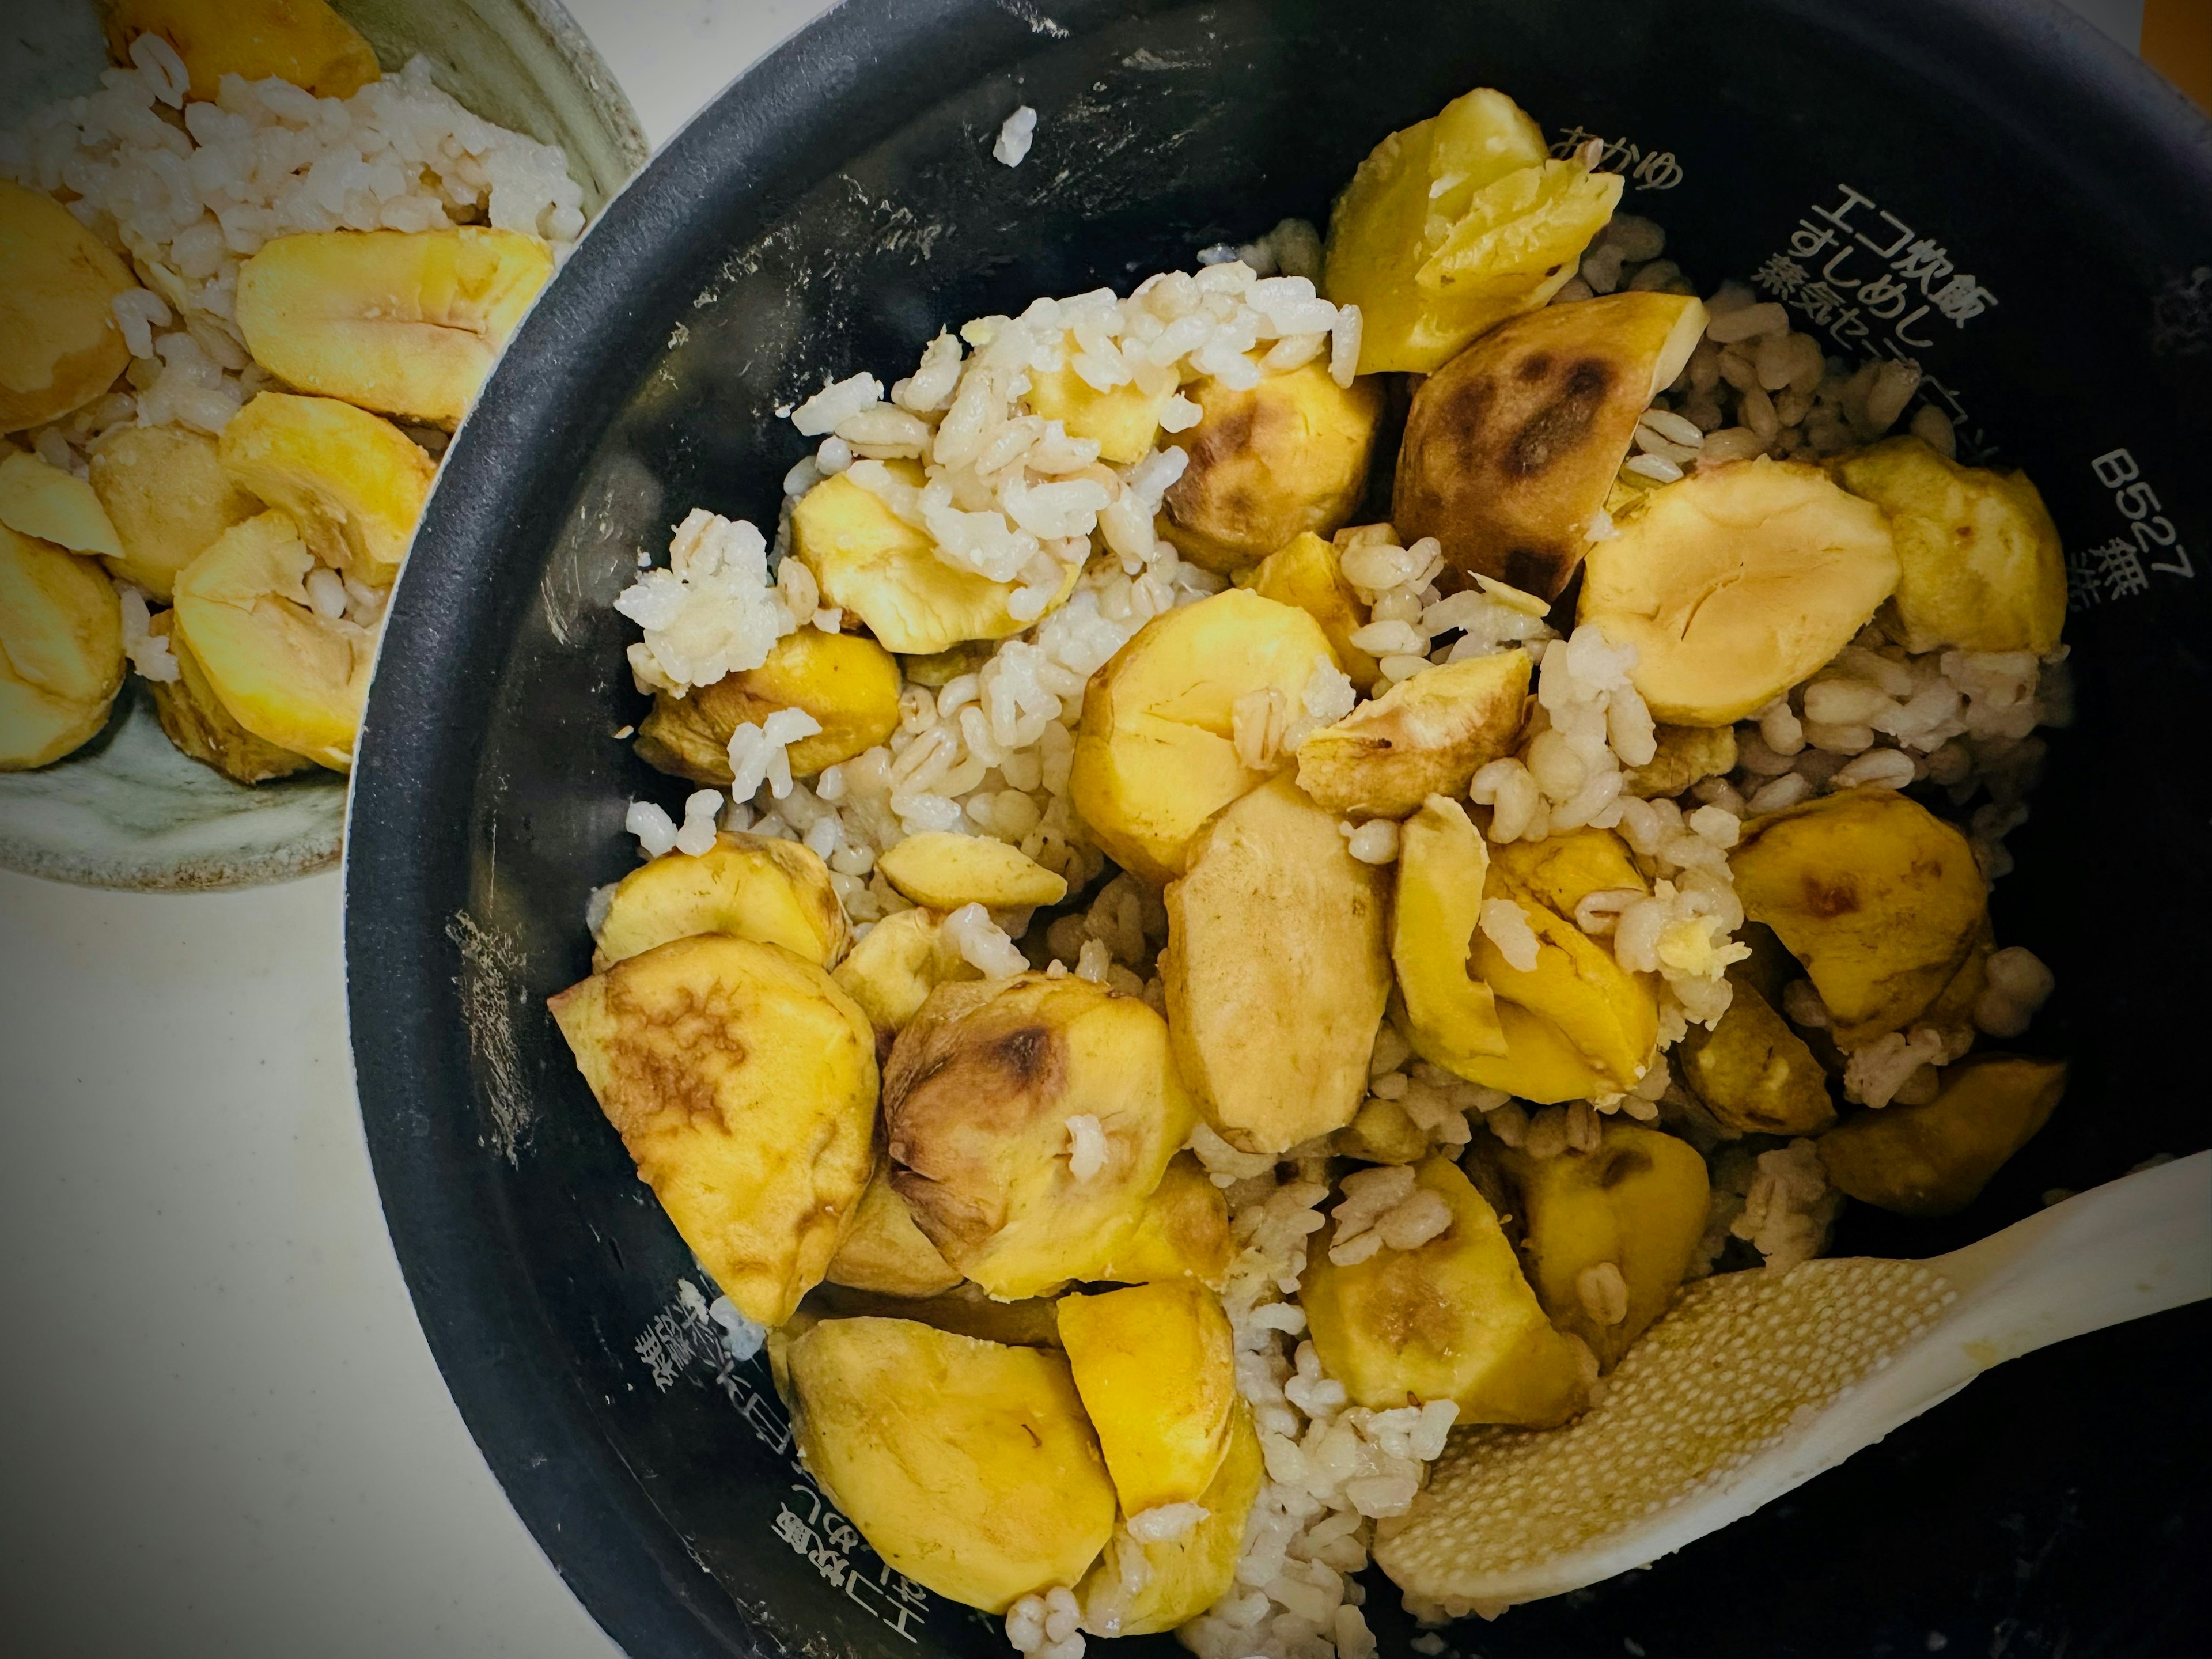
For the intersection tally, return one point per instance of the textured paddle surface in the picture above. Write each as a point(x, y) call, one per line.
point(1740, 1360)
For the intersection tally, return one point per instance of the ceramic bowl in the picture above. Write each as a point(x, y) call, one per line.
point(128, 810)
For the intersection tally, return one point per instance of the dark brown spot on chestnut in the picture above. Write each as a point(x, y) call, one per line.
point(1561, 424)
point(1535, 366)
point(1829, 897)
point(1025, 1054)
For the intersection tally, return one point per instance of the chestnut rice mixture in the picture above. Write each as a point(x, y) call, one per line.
point(1273, 863)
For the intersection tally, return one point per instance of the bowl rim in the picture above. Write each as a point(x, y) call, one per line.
point(835, 89)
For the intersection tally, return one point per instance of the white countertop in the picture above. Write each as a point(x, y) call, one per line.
point(221, 1431)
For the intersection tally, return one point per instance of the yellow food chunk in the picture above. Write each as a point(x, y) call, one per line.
point(891, 972)
point(945, 870)
point(1609, 1015)
point(353, 483)
point(1877, 897)
point(194, 719)
point(1288, 455)
point(1383, 1132)
point(288, 675)
point(1635, 1205)
point(1276, 970)
point(1183, 1232)
point(874, 565)
point(1451, 1018)
point(1561, 871)
point(1183, 1577)
point(1157, 1368)
point(39, 499)
point(1686, 755)
point(302, 41)
point(1308, 572)
point(1935, 1159)
point(1453, 224)
point(405, 323)
point(165, 492)
point(968, 1466)
point(846, 682)
point(1735, 583)
point(1752, 1072)
point(1981, 566)
point(757, 887)
point(1156, 754)
point(940, 668)
point(885, 1252)
point(1425, 735)
point(1540, 1064)
point(742, 1082)
point(1123, 421)
point(59, 344)
point(1452, 1319)
point(61, 651)
point(978, 1096)
point(1512, 447)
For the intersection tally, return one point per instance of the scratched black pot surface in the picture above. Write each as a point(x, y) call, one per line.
point(1988, 189)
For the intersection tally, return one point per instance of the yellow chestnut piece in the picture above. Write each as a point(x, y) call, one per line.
point(354, 483)
point(404, 323)
point(1383, 1132)
point(846, 682)
point(1511, 448)
point(1428, 735)
point(1156, 754)
point(1878, 899)
point(1269, 463)
point(1561, 871)
point(1185, 1576)
point(1455, 223)
point(891, 972)
point(1451, 1018)
point(1183, 1232)
point(1754, 1072)
point(872, 564)
point(1157, 1368)
point(1308, 572)
point(1608, 1017)
point(1452, 1319)
point(755, 887)
point(285, 672)
point(1122, 422)
point(60, 346)
point(967, 1465)
point(1608, 1234)
point(978, 1095)
point(886, 1252)
point(1735, 583)
point(945, 870)
point(302, 41)
point(61, 651)
point(742, 1083)
point(39, 499)
point(1936, 1158)
point(165, 492)
point(1981, 566)
point(193, 718)
point(1684, 756)
point(1276, 970)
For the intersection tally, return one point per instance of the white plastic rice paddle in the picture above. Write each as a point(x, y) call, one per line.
point(1754, 1382)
